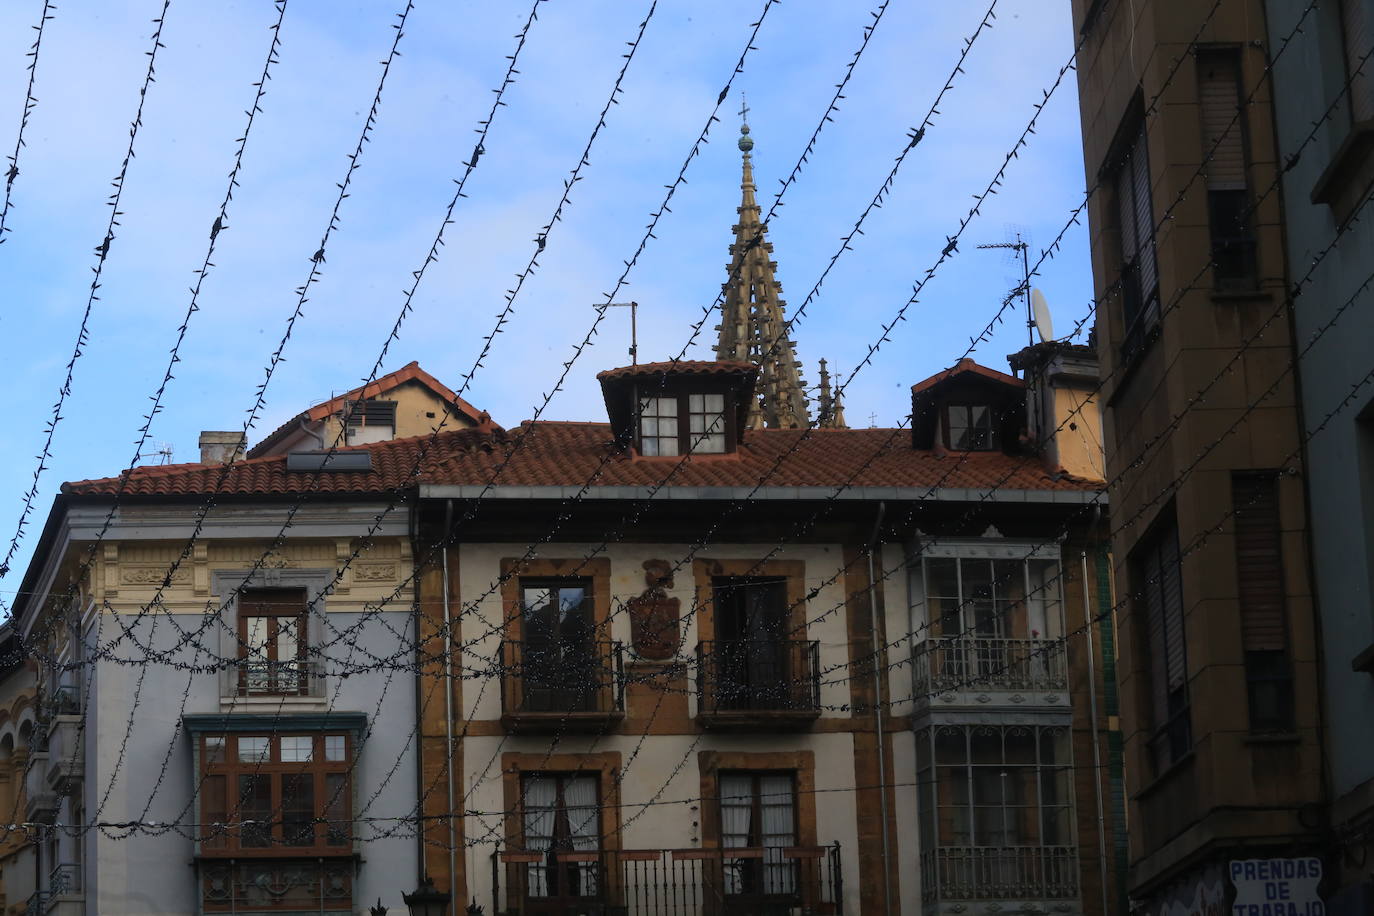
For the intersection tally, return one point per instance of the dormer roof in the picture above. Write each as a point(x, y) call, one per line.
point(966, 382)
point(620, 387)
point(964, 368)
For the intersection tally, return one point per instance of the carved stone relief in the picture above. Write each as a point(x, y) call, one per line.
point(653, 615)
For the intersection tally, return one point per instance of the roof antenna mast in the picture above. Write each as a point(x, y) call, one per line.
point(634, 326)
point(1021, 246)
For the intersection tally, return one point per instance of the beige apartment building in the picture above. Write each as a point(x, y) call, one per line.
point(1218, 662)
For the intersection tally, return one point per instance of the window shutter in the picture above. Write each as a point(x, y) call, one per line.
point(1259, 562)
point(1356, 25)
point(1176, 657)
point(371, 413)
point(1150, 587)
point(1144, 216)
point(1222, 131)
point(1125, 199)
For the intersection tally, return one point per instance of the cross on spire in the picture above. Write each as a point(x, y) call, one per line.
point(743, 108)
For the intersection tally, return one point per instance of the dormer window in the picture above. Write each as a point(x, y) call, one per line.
point(706, 423)
point(686, 407)
point(971, 428)
point(968, 408)
point(658, 427)
point(662, 434)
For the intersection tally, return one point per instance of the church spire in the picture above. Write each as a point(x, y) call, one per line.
point(753, 328)
point(831, 412)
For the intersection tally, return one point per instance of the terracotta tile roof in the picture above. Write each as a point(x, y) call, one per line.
point(410, 372)
point(963, 366)
point(569, 454)
point(681, 367)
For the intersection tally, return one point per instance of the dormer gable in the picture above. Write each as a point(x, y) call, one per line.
point(407, 402)
point(968, 408)
point(671, 409)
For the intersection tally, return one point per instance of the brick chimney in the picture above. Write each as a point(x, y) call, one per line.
point(221, 447)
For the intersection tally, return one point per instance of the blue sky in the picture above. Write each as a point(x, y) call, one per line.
point(453, 56)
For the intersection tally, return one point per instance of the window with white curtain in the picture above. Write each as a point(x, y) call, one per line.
point(759, 811)
point(561, 814)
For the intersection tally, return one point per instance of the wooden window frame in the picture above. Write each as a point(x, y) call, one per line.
point(604, 766)
point(994, 431)
point(757, 810)
point(553, 676)
point(802, 766)
point(516, 570)
point(705, 572)
point(259, 603)
point(227, 843)
point(754, 867)
point(685, 445)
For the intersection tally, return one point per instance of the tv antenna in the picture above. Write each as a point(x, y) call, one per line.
point(1021, 246)
point(164, 453)
point(634, 326)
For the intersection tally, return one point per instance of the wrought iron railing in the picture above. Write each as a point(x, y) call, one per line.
point(987, 663)
point(562, 678)
point(758, 675)
point(669, 882)
point(256, 678)
point(64, 879)
point(999, 873)
point(37, 904)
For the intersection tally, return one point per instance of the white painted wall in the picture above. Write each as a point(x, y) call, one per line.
point(144, 874)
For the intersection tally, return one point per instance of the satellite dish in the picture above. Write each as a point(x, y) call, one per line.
point(1040, 312)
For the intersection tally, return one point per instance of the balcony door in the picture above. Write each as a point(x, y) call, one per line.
point(752, 636)
point(758, 817)
point(559, 663)
point(272, 642)
point(561, 820)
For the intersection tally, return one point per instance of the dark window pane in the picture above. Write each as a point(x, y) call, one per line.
point(255, 810)
point(338, 810)
point(298, 809)
point(951, 746)
point(1270, 683)
point(1233, 239)
point(213, 810)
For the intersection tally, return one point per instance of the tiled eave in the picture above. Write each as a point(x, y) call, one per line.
point(857, 494)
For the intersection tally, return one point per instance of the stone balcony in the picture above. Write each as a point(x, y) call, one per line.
point(40, 799)
point(66, 755)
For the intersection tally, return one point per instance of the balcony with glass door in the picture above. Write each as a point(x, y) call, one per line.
point(997, 820)
point(559, 677)
point(993, 635)
point(756, 674)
